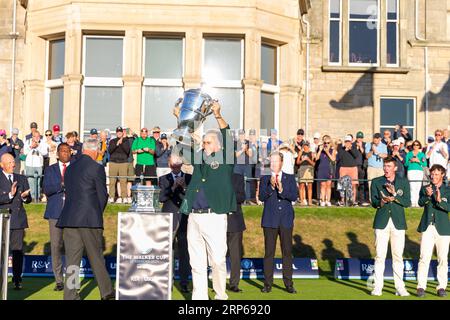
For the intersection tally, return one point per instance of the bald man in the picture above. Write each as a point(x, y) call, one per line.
point(14, 192)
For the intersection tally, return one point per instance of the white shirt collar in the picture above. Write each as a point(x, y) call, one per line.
point(180, 174)
point(8, 174)
point(61, 165)
point(280, 174)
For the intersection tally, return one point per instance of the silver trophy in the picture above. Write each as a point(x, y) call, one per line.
point(195, 107)
point(145, 199)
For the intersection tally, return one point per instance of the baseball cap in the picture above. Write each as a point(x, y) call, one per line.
point(401, 140)
point(377, 135)
point(430, 139)
point(119, 128)
point(15, 131)
point(241, 131)
point(2, 132)
point(316, 135)
point(156, 129)
point(56, 127)
point(252, 132)
point(163, 136)
point(301, 132)
point(33, 125)
point(396, 142)
point(94, 131)
point(359, 134)
point(273, 131)
point(348, 138)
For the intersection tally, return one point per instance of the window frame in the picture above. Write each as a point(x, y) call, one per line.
point(414, 99)
point(397, 31)
point(160, 82)
point(378, 20)
point(50, 84)
point(114, 82)
point(340, 33)
point(226, 84)
point(273, 89)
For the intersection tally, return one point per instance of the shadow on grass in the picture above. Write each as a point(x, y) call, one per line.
point(87, 285)
point(30, 288)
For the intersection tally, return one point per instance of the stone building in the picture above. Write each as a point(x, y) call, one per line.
point(98, 64)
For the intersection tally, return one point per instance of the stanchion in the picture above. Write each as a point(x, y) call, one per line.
point(4, 249)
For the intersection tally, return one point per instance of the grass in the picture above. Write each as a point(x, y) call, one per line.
point(322, 233)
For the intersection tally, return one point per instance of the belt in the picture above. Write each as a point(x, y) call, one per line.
point(202, 210)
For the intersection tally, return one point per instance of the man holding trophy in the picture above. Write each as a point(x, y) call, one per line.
point(210, 196)
point(390, 195)
point(435, 229)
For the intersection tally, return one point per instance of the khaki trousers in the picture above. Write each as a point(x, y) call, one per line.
point(118, 169)
point(373, 173)
point(207, 244)
point(397, 239)
point(431, 238)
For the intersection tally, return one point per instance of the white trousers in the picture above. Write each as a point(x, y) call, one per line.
point(397, 239)
point(415, 177)
point(431, 238)
point(207, 244)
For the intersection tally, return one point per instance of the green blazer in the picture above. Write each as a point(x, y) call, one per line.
point(395, 209)
point(434, 211)
point(216, 181)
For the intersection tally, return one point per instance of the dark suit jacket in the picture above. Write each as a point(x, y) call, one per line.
point(236, 221)
point(172, 200)
point(18, 213)
point(54, 191)
point(278, 210)
point(86, 196)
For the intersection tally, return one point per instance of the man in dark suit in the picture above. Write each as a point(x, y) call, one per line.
point(235, 229)
point(173, 187)
point(82, 221)
point(53, 187)
point(14, 192)
point(278, 191)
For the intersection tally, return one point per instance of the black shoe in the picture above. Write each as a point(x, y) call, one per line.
point(185, 288)
point(441, 293)
point(59, 287)
point(235, 289)
point(291, 289)
point(266, 289)
point(111, 296)
point(420, 293)
point(18, 286)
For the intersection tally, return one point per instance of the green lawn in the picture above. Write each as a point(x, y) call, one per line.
point(322, 233)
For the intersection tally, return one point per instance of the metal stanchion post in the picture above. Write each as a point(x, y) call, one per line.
point(36, 186)
point(4, 250)
point(141, 177)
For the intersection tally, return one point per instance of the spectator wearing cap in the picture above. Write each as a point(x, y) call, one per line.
point(145, 148)
point(33, 128)
point(75, 146)
point(362, 168)
point(243, 154)
point(299, 140)
point(415, 162)
point(163, 151)
point(35, 149)
point(375, 153)
point(316, 142)
point(5, 145)
point(305, 162)
point(399, 155)
point(17, 148)
point(57, 135)
point(401, 131)
point(274, 142)
point(93, 134)
point(347, 155)
point(119, 149)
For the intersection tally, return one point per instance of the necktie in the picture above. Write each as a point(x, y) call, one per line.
point(10, 178)
point(276, 178)
point(63, 171)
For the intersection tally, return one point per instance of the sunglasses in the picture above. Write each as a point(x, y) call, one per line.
point(144, 131)
point(416, 145)
point(207, 142)
point(326, 143)
point(438, 135)
point(48, 134)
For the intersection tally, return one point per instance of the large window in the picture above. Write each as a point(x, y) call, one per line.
point(335, 32)
point(363, 32)
point(54, 91)
point(102, 87)
point(398, 111)
point(392, 32)
point(270, 89)
point(222, 75)
point(164, 66)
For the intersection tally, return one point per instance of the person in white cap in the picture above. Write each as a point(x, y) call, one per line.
point(17, 146)
point(316, 142)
